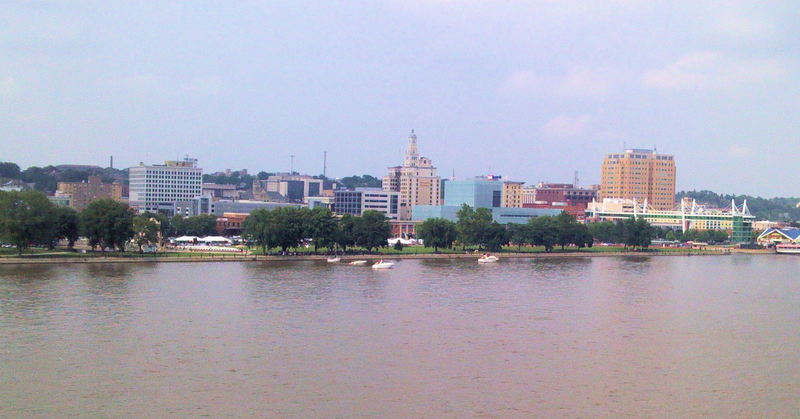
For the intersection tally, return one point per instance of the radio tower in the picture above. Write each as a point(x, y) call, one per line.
point(575, 180)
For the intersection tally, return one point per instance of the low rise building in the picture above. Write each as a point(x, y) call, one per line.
point(406, 229)
point(320, 201)
point(577, 211)
point(291, 186)
point(773, 236)
point(60, 200)
point(355, 202)
point(230, 223)
point(765, 225)
point(219, 191)
point(15, 185)
point(205, 205)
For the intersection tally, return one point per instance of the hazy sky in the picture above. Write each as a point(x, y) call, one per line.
point(530, 90)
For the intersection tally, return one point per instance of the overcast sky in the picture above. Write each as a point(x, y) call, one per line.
point(530, 90)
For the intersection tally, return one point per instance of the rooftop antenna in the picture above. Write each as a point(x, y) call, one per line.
point(575, 180)
point(325, 164)
point(291, 165)
point(624, 145)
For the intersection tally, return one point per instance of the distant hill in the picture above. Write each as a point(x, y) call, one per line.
point(773, 209)
point(364, 181)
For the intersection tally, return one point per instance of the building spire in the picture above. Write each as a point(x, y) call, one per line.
point(412, 153)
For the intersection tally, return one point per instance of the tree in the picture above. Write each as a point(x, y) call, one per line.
point(474, 226)
point(288, 227)
point(582, 236)
point(67, 225)
point(619, 232)
point(178, 224)
point(495, 236)
point(518, 234)
point(321, 227)
point(164, 224)
point(565, 229)
point(367, 181)
point(145, 230)
point(107, 223)
point(464, 225)
point(373, 230)
point(346, 231)
point(644, 233)
point(630, 235)
point(9, 170)
point(259, 227)
point(542, 230)
point(437, 232)
point(42, 177)
point(26, 218)
point(198, 225)
point(604, 232)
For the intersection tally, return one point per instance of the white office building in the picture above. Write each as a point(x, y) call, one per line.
point(157, 188)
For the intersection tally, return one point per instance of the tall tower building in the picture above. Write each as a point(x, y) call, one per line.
point(642, 175)
point(415, 180)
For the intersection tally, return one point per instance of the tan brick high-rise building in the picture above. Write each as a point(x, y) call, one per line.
point(416, 180)
point(641, 175)
point(82, 193)
point(512, 194)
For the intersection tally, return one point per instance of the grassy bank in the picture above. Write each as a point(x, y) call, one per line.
point(37, 256)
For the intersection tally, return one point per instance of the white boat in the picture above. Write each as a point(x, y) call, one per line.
point(382, 265)
point(787, 248)
point(334, 259)
point(358, 262)
point(487, 258)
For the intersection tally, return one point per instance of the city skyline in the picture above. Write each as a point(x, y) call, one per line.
point(533, 92)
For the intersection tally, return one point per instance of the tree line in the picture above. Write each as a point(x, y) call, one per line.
point(28, 218)
point(290, 227)
point(46, 178)
point(474, 227)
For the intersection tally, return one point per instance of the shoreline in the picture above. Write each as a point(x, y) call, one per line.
point(15, 260)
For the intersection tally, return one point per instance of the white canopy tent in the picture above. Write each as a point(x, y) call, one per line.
point(215, 239)
point(186, 239)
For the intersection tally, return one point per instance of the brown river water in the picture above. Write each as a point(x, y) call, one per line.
point(713, 336)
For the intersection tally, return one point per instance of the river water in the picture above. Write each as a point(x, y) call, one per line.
point(553, 337)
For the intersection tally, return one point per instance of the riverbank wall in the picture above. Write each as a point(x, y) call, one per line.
point(346, 258)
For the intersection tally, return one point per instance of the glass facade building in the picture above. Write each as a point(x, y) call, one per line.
point(478, 193)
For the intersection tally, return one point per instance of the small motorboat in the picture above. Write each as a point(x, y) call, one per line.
point(358, 263)
point(382, 265)
point(334, 259)
point(487, 258)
